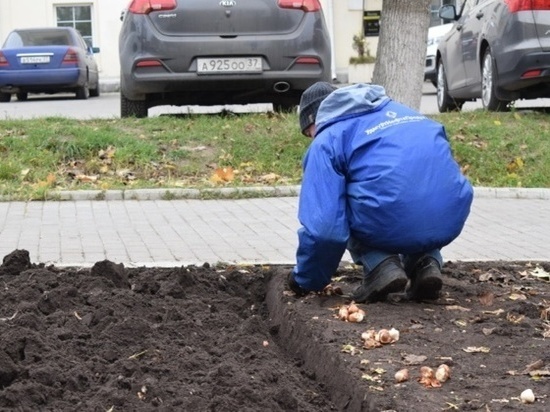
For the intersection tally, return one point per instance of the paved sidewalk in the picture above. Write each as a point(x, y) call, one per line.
point(505, 224)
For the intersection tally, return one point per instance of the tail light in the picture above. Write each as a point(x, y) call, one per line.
point(308, 60)
point(148, 6)
point(526, 5)
point(305, 5)
point(3, 60)
point(531, 74)
point(71, 57)
point(148, 63)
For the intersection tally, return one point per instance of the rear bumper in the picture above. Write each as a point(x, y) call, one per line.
point(13, 81)
point(231, 88)
point(511, 79)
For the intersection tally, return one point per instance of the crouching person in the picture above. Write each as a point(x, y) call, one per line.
point(380, 180)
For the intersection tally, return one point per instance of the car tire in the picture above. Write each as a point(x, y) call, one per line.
point(133, 108)
point(5, 97)
point(83, 92)
point(489, 84)
point(95, 92)
point(22, 96)
point(445, 103)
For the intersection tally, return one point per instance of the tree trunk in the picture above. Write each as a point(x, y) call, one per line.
point(401, 54)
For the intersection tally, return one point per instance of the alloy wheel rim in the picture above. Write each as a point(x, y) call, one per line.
point(487, 80)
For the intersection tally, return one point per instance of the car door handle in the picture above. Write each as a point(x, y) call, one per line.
point(479, 15)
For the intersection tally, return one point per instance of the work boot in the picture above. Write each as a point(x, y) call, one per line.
point(388, 277)
point(425, 280)
point(294, 287)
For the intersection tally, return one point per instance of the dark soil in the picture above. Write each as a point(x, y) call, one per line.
point(226, 338)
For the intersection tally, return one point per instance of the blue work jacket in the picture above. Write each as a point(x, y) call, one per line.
point(380, 172)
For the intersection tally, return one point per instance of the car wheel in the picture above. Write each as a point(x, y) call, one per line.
point(132, 108)
point(488, 85)
point(22, 96)
point(83, 92)
point(95, 92)
point(445, 103)
point(5, 97)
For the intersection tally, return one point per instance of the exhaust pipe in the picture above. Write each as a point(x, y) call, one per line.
point(281, 87)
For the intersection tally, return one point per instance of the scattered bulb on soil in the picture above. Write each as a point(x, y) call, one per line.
point(351, 313)
point(394, 333)
point(443, 373)
point(427, 377)
point(527, 396)
point(356, 316)
point(402, 375)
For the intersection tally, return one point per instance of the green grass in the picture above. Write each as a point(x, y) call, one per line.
point(40, 157)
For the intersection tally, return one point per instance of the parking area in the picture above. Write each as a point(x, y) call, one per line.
point(107, 106)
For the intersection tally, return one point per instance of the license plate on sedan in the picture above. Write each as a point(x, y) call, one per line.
point(35, 59)
point(229, 65)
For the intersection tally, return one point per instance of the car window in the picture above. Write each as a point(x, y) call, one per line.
point(467, 5)
point(37, 38)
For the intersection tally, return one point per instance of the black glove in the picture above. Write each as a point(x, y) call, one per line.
point(293, 286)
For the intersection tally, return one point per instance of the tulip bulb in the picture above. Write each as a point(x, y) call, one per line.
point(527, 396)
point(356, 316)
point(402, 375)
point(443, 373)
point(394, 333)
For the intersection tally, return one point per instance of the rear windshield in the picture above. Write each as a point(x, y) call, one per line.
point(21, 38)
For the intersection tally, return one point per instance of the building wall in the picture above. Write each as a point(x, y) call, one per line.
point(105, 24)
point(344, 18)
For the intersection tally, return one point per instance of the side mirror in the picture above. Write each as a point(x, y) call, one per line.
point(448, 12)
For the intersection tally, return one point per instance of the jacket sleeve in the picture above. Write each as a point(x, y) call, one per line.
point(322, 214)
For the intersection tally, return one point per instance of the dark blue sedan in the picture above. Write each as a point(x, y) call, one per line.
point(47, 60)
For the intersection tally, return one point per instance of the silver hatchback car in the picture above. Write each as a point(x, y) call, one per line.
point(497, 50)
point(198, 52)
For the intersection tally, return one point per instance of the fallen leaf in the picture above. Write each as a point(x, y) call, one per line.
point(457, 307)
point(514, 317)
point(223, 174)
point(86, 178)
point(494, 312)
point(352, 350)
point(414, 359)
point(370, 378)
point(517, 296)
point(540, 273)
point(476, 349)
point(270, 178)
point(539, 363)
point(486, 299)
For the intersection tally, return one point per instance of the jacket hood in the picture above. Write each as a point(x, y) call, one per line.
point(350, 101)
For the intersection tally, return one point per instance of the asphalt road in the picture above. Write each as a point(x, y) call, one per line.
point(108, 106)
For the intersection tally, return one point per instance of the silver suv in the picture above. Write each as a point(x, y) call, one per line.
point(217, 52)
point(497, 50)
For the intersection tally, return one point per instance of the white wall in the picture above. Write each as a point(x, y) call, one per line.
point(105, 19)
point(345, 19)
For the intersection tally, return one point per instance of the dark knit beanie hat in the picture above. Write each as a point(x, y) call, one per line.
point(311, 100)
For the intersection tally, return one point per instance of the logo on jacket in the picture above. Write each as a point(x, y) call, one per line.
point(391, 114)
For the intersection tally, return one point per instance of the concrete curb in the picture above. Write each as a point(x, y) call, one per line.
point(261, 191)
